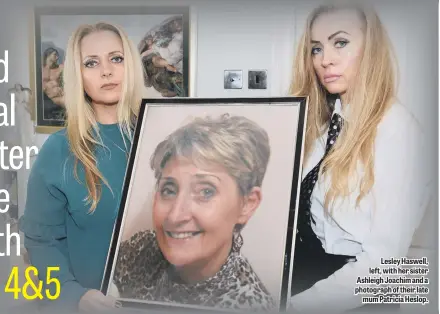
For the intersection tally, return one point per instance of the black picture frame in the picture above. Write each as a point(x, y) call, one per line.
point(302, 103)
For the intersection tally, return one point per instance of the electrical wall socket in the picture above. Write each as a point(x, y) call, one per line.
point(257, 79)
point(233, 79)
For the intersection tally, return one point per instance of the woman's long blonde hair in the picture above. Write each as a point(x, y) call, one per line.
point(81, 124)
point(371, 94)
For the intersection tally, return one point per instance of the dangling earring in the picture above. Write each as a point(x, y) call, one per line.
point(237, 239)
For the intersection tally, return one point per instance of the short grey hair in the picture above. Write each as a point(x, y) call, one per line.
point(234, 142)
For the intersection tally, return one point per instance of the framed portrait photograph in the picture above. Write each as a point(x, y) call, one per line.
point(208, 205)
point(161, 35)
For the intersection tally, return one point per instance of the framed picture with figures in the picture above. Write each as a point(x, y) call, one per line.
point(161, 34)
point(208, 206)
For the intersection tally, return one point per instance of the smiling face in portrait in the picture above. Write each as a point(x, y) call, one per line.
point(102, 58)
point(195, 211)
point(337, 41)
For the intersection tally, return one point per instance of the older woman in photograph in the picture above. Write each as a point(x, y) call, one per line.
point(208, 185)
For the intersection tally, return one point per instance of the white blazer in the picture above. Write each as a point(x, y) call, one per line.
point(384, 223)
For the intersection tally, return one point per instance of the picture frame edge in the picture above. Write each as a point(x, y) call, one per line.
point(46, 129)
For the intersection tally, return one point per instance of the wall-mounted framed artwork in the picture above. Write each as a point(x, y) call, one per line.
point(162, 35)
point(208, 206)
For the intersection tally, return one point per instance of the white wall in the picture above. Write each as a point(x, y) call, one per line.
point(237, 36)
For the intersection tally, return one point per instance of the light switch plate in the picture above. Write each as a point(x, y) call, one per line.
point(233, 79)
point(257, 79)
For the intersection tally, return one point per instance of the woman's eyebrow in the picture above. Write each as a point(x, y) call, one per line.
point(167, 179)
point(330, 37)
point(110, 53)
point(202, 176)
